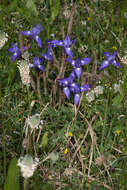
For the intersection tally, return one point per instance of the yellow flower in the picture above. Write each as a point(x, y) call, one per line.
point(66, 151)
point(69, 134)
point(108, 84)
point(114, 48)
point(117, 132)
point(89, 19)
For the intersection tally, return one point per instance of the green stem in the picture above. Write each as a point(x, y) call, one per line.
point(4, 146)
point(104, 126)
point(26, 182)
point(29, 98)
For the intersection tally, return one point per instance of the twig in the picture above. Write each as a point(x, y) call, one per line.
point(35, 152)
point(69, 30)
point(21, 43)
point(91, 158)
point(38, 85)
point(95, 62)
point(118, 40)
point(47, 70)
point(45, 83)
point(55, 61)
point(78, 148)
point(39, 134)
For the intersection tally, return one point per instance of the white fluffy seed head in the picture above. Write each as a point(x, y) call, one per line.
point(24, 70)
point(98, 90)
point(90, 96)
point(116, 88)
point(35, 122)
point(27, 165)
point(3, 38)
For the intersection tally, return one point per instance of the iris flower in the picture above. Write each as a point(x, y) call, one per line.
point(65, 44)
point(55, 43)
point(48, 55)
point(77, 64)
point(66, 82)
point(77, 89)
point(70, 86)
point(37, 63)
point(16, 53)
point(110, 58)
point(34, 34)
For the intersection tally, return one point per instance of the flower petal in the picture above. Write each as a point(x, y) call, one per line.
point(14, 56)
point(64, 81)
point(41, 67)
point(78, 71)
point(68, 41)
point(48, 55)
point(14, 48)
point(68, 51)
point(74, 87)
point(71, 61)
point(85, 87)
point(76, 99)
point(85, 60)
point(66, 91)
point(105, 64)
point(55, 43)
point(36, 30)
point(27, 33)
point(71, 77)
point(116, 64)
point(38, 40)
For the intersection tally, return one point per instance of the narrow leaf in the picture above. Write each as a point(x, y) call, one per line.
point(117, 100)
point(12, 180)
point(55, 10)
point(44, 140)
point(32, 7)
point(12, 72)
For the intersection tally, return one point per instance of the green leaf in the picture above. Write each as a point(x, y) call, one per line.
point(12, 180)
point(32, 7)
point(55, 9)
point(12, 72)
point(117, 100)
point(44, 140)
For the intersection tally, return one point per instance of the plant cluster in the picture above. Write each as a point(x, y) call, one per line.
point(68, 84)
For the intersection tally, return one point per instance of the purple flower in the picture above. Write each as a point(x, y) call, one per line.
point(66, 83)
point(37, 63)
point(85, 60)
point(71, 76)
point(77, 89)
point(74, 87)
point(77, 64)
point(55, 43)
point(85, 87)
point(77, 98)
point(34, 34)
point(16, 53)
point(65, 44)
point(70, 86)
point(110, 58)
point(66, 91)
point(48, 55)
point(68, 42)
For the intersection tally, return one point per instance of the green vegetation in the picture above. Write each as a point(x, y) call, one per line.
point(79, 147)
